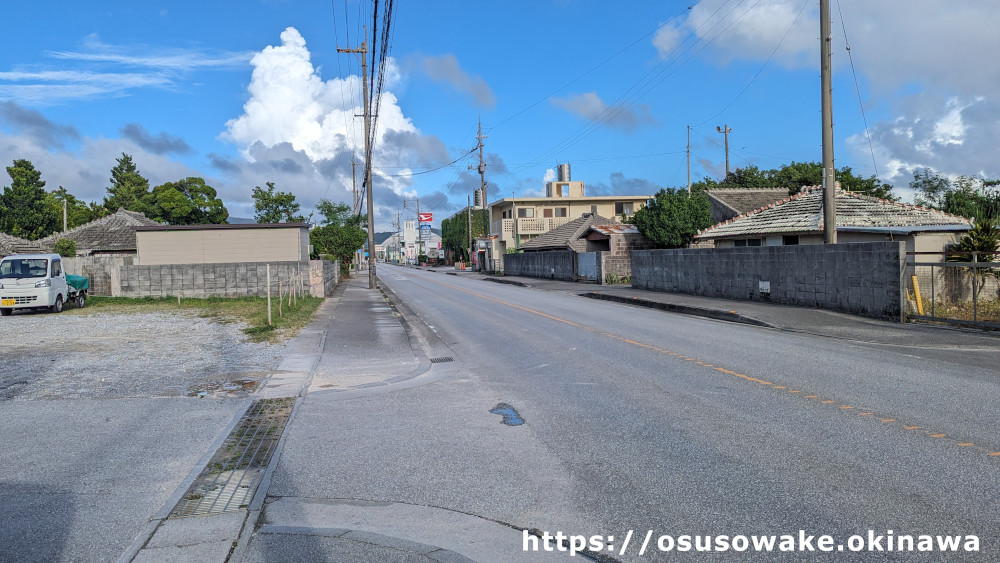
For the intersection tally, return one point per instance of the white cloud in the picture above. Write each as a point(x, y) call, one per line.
point(945, 44)
point(291, 106)
point(445, 68)
point(590, 106)
point(956, 136)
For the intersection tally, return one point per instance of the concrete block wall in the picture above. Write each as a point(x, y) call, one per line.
point(216, 280)
point(617, 266)
point(858, 278)
point(556, 264)
point(102, 270)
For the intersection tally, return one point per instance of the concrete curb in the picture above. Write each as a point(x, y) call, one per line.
point(731, 316)
point(509, 282)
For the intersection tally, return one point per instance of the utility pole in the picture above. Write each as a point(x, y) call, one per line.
point(363, 51)
point(420, 238)
point(482, 183)
point(399, 238)
point(826, 80)
point(65, 217)
point(468, 214)
point(354, 208)
point(689, 160)
point(726, 131)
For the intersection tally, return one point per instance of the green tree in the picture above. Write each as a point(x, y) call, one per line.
point(797, 175)
point(455, 233)
point(750, 177)
point(128, 187)
point(930, 188)
point(78, 212)
point(275, 207)
point(334, 213)
point(65, 247)
point(673, 218)
point(341, 234)
point(984, 240)
point(23, 210)
point(966, 196)
point(185, 202)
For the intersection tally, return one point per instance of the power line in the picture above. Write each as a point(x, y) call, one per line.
point(857, 88)
point(762, 67)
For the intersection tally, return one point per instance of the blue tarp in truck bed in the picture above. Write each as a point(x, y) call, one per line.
point(78, 283)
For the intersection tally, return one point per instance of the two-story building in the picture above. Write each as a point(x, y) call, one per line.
point(516, 220)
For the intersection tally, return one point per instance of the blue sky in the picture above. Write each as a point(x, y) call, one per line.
point(243, 93)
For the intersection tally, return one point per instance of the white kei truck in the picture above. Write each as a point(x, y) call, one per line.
point(38, 281)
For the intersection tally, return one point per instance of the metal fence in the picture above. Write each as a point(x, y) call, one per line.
point(955, 287)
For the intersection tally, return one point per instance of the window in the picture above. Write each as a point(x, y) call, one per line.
point(593, 209)
point(56, 268)
point(623, 207)
point(525, 213)
point(748, 242)
point(24, 268)
point(546, 213)
point(790, 240)
point(560, 212)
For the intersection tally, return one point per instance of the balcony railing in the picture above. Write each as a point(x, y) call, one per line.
point(525, 226)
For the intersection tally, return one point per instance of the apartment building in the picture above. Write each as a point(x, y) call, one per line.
point(516, 220)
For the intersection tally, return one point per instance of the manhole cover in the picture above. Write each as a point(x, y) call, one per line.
point(232, 475)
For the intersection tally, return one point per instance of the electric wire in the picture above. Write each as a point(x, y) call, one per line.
point(763, 66)
point(857, 88)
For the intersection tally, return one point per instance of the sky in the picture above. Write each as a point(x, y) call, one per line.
point(244, 93)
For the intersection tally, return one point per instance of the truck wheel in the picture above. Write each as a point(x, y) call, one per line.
point(6, 312)
point(81, 300)
point(57, 307)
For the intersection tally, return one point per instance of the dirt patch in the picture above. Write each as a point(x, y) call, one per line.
point(108, 355)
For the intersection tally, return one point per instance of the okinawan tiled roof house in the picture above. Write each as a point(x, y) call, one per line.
point(568, 236)
point(799, 219)
point(729, 203)
point(9, 244)
point(114, 234)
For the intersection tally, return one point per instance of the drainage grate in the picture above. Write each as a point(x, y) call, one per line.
point(442, 360)
point(232, 475)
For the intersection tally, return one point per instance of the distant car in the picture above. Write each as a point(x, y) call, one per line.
point(38, 281)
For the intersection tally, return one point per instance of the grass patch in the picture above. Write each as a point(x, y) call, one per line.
point(250, 310)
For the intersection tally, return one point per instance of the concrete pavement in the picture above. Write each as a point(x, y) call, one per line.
point(364, 343)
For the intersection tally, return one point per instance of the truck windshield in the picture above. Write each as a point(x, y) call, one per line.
point(24, 268)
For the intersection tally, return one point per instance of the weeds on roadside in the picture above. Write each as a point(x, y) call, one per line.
point(250, 310)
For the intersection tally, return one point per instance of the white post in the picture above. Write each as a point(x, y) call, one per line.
point(268, 295)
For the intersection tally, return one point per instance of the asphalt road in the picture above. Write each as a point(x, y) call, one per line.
point(641, 420)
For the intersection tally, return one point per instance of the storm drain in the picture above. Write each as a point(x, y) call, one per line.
point(442, 360)
point(232, 475)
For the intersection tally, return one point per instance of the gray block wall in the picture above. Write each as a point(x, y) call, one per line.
point(218, 280)
point(556, 264)
point(857, 278)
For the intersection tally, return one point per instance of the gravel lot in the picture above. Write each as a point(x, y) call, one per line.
point(105, 355)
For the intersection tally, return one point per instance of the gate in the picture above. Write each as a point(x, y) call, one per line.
point(954, 287)
point(588, 266)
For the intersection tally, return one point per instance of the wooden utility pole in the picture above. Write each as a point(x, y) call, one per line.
point(725, 130)
point(689, 159)
point(469, 215)
point(363, 51)
point(829, 172)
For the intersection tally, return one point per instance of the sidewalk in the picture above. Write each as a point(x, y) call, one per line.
point(781, 317)
point(362, 344)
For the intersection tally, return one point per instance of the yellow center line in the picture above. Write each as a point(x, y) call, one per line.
point(700, 363)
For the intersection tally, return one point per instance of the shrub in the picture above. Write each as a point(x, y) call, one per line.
point(65, 247)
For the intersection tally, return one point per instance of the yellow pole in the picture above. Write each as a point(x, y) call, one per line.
point(916, 293)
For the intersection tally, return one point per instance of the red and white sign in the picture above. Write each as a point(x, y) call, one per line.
point(425, 217)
